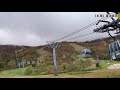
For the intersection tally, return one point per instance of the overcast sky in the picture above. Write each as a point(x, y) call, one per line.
point(35, 28)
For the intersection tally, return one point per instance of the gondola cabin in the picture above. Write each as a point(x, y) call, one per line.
point(86, 53)
point(114, 50)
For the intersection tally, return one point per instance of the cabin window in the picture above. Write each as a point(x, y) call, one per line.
point(88, 53)
point(115, 46)
point(118, 45)
point(111, 48)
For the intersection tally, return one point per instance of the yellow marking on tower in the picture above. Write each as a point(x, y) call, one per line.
point(118, 15)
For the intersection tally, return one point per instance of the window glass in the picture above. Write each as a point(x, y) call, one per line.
point(115, 46)
point(111, 49)
point(118, 45)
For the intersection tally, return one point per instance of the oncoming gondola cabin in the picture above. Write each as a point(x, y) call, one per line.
point(86, 53)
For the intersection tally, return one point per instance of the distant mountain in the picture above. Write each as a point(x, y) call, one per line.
point(10, 48)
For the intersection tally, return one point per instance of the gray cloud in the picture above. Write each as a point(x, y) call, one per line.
point(35, 28)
